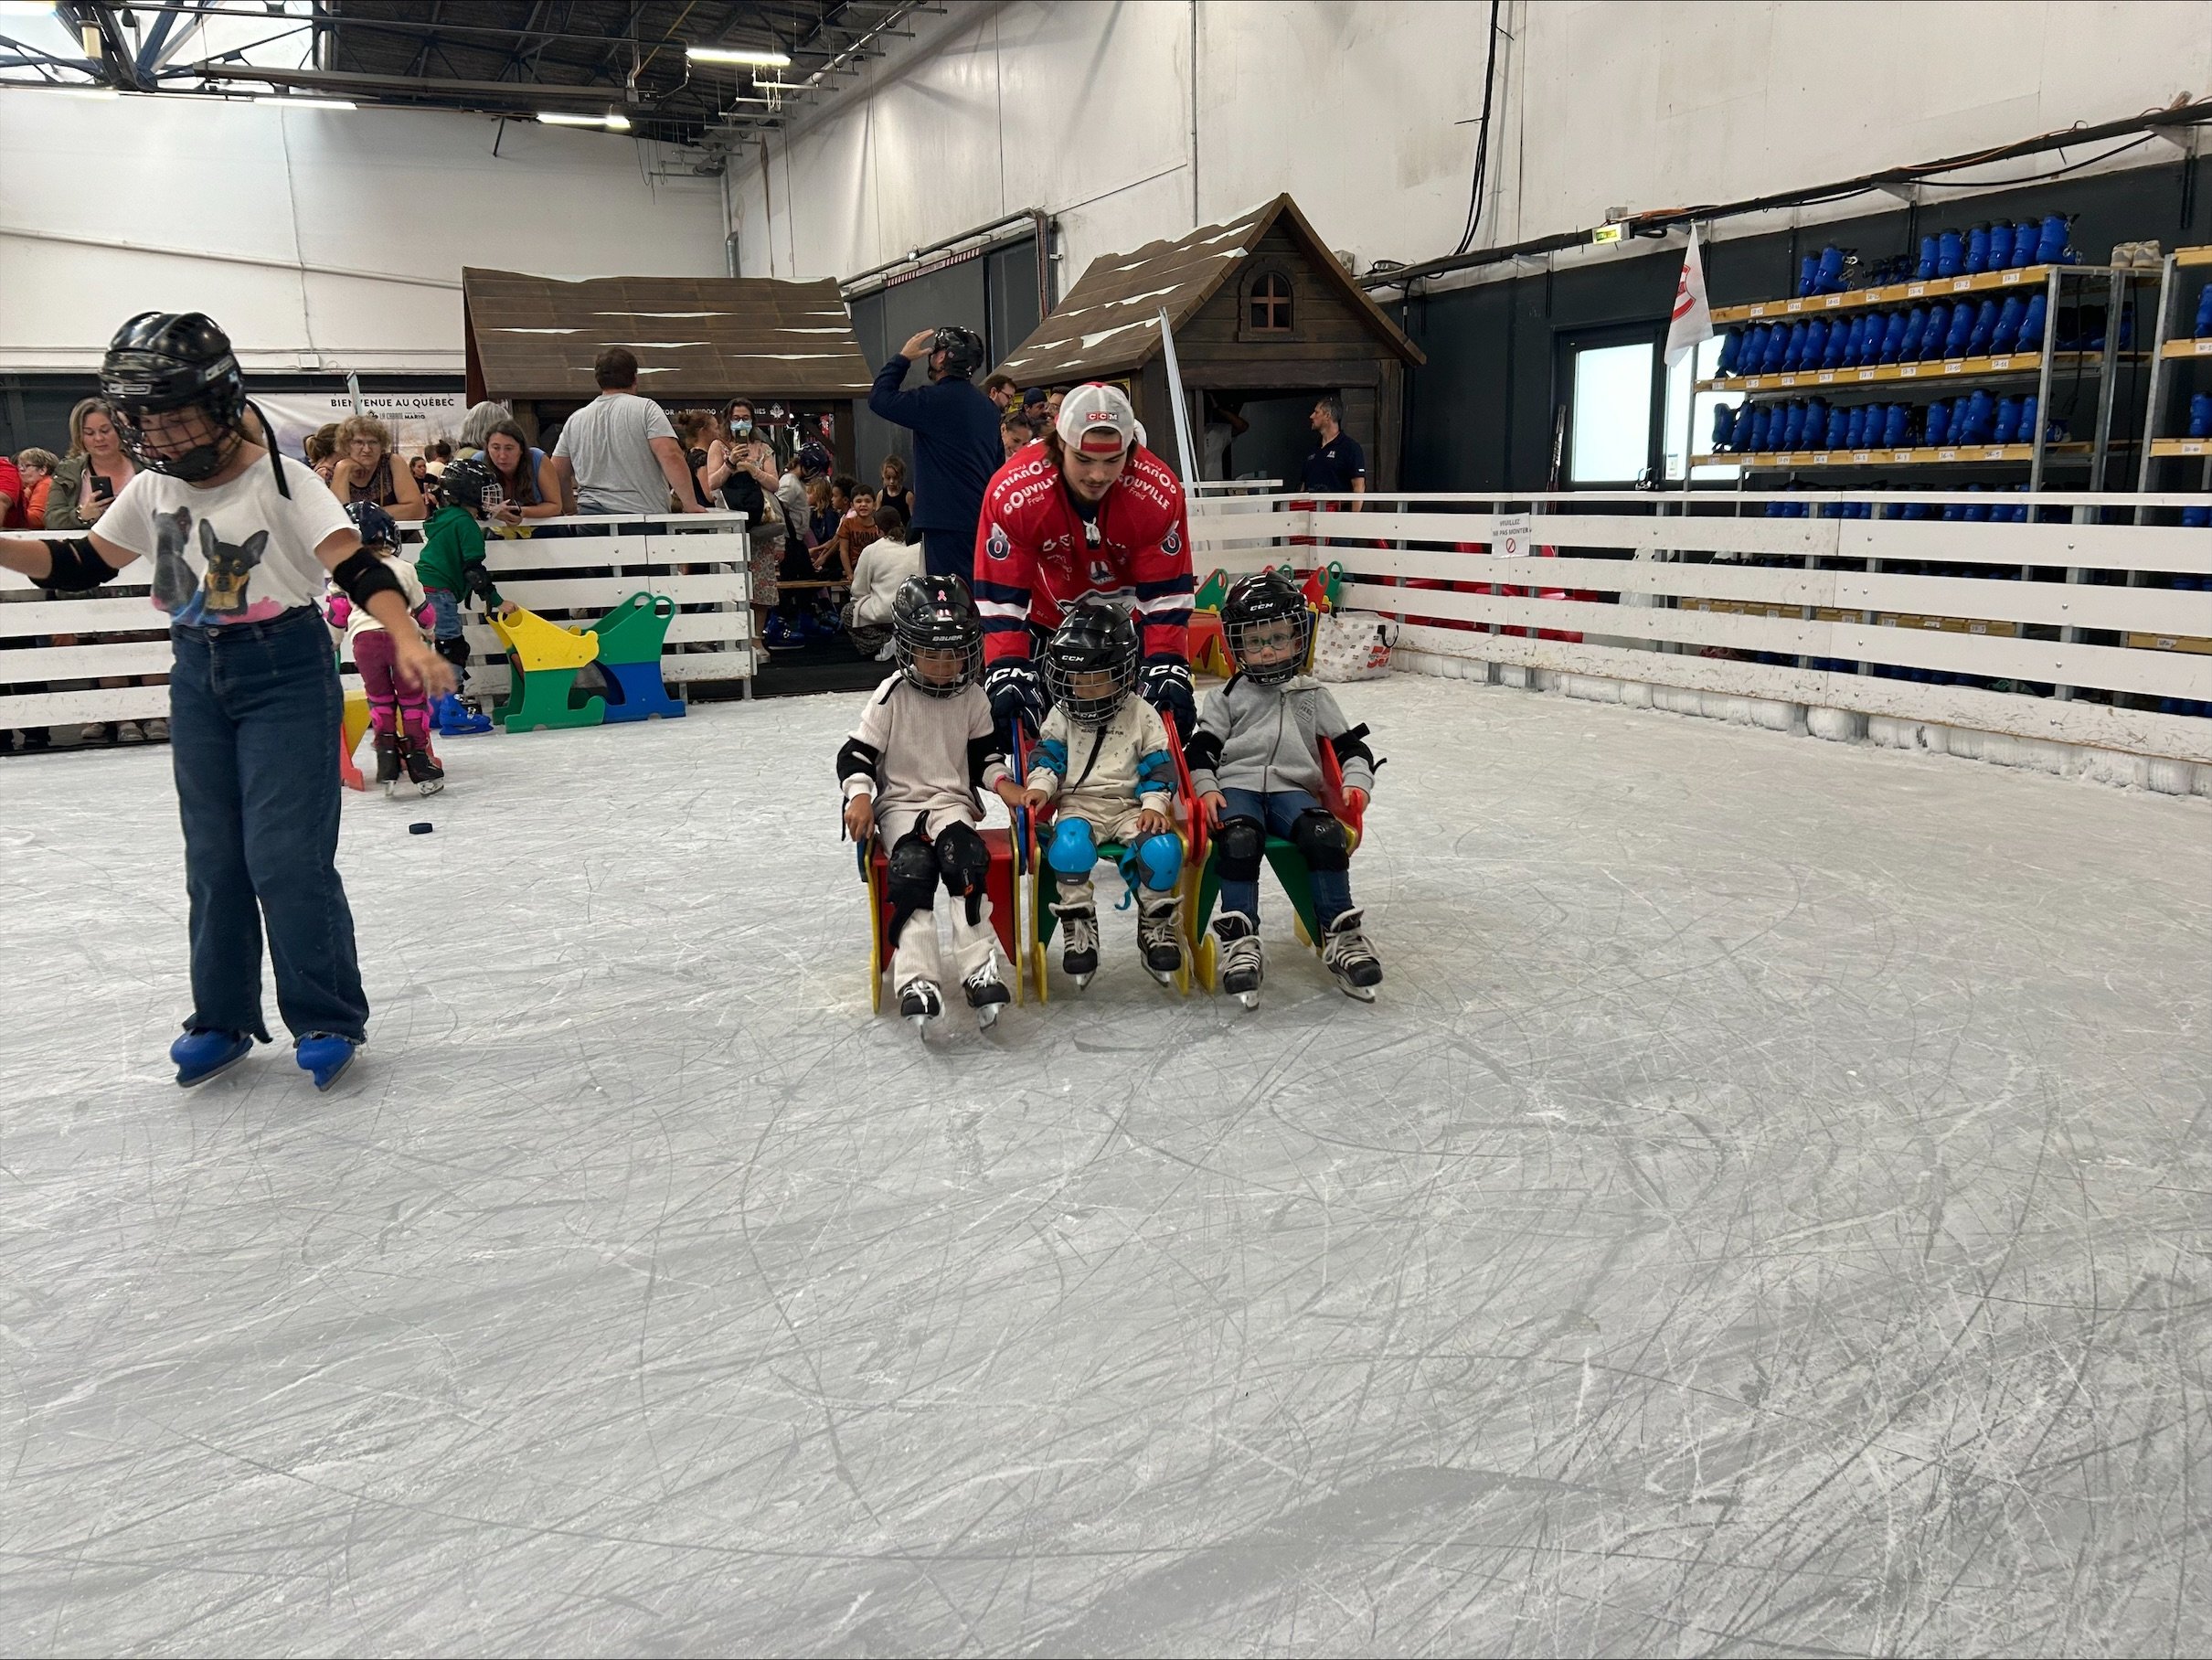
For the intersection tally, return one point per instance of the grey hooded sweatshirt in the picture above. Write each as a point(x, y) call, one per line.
point(1269, 738)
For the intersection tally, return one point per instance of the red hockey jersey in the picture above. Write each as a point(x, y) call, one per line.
point(1034, 555)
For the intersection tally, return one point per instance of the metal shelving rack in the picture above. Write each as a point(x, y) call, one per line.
point(2043, 364)
point(2167, 347)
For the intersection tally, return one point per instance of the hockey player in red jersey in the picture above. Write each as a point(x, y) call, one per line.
point(1089, 509)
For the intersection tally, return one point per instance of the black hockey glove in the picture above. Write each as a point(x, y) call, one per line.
point(1166, 685)
point(1016, 694)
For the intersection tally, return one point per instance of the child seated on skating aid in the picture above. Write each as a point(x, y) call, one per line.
point(399, 714)
point(912, 772)
point(1255, 762)
point(1103, 755)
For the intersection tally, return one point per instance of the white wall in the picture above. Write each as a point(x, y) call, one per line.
point(404, 194)
point(1364, 112)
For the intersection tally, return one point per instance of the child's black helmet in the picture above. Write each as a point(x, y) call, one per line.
point(1266, 596)
point(173, 363)
point(963, 350)
point(935, 613)
point(464, 483)
point(1094, 637)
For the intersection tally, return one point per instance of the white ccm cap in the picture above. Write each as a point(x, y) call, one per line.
point(1097, 420)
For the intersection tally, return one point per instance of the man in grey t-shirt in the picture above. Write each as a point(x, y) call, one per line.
point(620, 449)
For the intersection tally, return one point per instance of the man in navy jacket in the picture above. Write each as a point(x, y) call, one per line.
point(956, 442)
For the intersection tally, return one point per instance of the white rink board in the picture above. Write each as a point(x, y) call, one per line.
point(1764, 1212)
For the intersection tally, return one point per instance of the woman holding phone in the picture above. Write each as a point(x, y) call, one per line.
point(90, 477)
point(529, 488)
point(741, 468)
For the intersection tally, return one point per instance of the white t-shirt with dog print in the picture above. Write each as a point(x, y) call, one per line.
point(237, 553)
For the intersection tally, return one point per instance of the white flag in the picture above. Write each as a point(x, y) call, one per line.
point(1693, 321)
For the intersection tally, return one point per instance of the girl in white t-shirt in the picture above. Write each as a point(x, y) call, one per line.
point(241, 541)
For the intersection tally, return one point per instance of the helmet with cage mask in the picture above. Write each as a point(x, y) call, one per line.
point(1268, 628)
point(934, 617)
point(1090, 662)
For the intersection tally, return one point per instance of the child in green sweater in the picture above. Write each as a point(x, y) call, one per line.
point(451, 564)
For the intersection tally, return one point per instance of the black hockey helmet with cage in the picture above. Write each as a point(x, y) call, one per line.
point(1253, 603)
point(1096, 636)
point(963, 350)
point(180, 365)
point(936, 614)
point(464, 483)
point(376, 527)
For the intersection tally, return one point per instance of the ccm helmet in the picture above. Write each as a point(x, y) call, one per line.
point(935, 613)
point(1256, 603)
point(1095, 637)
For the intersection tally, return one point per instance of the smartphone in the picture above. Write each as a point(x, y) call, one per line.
point(103, 488)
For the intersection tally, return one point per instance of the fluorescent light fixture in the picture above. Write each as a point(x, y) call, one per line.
point(782, 86)
point(308, 103)
point(561, 117)
point(724, 54)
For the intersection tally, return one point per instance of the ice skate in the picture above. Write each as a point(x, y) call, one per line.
point(387, 761)
point(987, 994)
point(423, 770)
point(1079, 942)
point(1243, 964)
point(920, 1002)
point(1346, 953)
point(454, 717)
point(201, 1056)
point(325, 1056)
point(1158, 942)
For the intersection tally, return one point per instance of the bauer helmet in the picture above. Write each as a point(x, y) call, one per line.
point(1094, 638)
point(180, 365)
point(377, 528)
point(1249, 616)
point(963, 350)
point(935, 613)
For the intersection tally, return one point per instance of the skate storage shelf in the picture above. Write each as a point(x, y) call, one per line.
point(2029, 634)
point(1888, 294)
point(700, 561)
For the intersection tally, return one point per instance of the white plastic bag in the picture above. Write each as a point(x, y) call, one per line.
point(1352, 645)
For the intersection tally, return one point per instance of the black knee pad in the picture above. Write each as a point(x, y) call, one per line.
point(1321, 841)
point(962, 857)
point(912, 871)
point(455, 650)
point(965, 862)
point(1241, 843)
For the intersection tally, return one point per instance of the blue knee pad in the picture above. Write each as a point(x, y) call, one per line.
point(1159, 861)
point(1073, 850)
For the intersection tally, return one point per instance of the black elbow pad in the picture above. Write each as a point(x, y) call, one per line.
point(1202, 752)
point(1354, 742)
point(361, 573)
point(76, 567)
point(480, 584)
point(856, 760)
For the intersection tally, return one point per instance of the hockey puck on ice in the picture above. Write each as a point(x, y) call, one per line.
point(420, 829)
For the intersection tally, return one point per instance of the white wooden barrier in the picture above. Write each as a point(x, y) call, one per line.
point(697, 559)
point(2105, 628)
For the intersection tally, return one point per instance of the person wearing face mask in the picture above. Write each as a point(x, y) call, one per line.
point(1089, 511)
point(742, 469)
point(956, 444)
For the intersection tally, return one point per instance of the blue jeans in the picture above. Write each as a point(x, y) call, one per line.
point(445, 614)
point(1276, 810)
point(254, 711)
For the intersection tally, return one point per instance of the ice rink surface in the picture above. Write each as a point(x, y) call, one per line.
point(1768, 1212)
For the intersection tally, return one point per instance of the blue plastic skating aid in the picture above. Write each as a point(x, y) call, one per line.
point(325, 1056)
point(199, 1056)
point(634, 692)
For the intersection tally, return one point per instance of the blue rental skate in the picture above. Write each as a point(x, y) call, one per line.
point(201, 1057)
point(324, 1056)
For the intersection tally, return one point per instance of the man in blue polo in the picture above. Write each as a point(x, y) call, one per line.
point(1337, 465)
point(956, 441)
